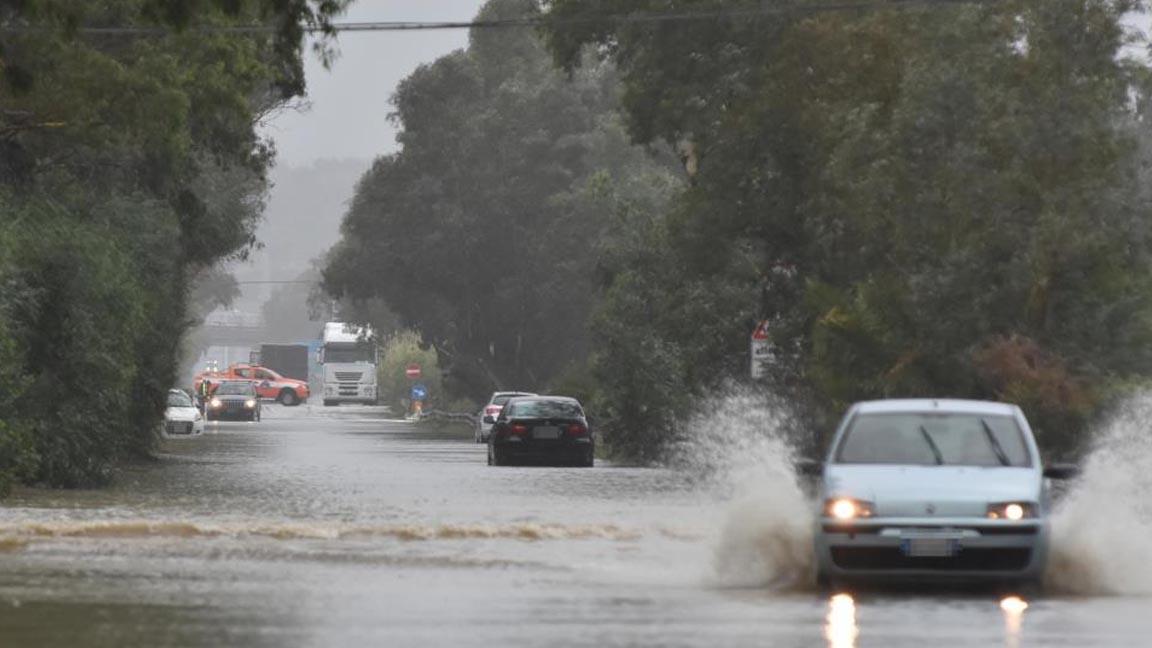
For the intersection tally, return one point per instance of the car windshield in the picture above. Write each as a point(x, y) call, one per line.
point(179, 399)
point(953, 439)
point(349, 353)
point(235, 389)
point(545, 409)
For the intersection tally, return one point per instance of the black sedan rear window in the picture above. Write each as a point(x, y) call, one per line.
point(545, 409)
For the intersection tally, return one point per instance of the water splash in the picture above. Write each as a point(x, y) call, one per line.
point(739, 448)
point(1101, 529)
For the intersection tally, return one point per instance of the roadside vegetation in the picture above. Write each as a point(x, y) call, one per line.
point(398, 351)
point(930, 200)
point(129, 165)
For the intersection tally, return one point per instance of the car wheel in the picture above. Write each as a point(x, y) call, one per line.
point(499, 457)
point(491, 462)
point(589, 458)
point(288, 398)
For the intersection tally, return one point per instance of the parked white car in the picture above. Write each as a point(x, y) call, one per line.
point(934, 490)
point(182, 418)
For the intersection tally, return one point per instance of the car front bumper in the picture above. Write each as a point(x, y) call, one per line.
point(985, 550)
point(232, 412)
point(183, 427)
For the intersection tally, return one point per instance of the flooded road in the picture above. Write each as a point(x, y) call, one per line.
point(321, 527)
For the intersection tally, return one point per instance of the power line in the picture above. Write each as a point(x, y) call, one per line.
point(385, 26)
point(248, 283)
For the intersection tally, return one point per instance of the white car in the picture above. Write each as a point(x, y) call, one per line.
point(182, 418)
point(934, 490)
point(487, 417)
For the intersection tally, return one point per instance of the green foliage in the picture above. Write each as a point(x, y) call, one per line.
point(403, 348)
point(484, 232)
point(945, 200)
point(17, 450)
point(127, 166)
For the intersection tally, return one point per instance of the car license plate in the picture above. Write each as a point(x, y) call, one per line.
point(929, 547)
point(546, 432)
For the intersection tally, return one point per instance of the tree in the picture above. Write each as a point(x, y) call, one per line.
point(939, 200)
point(482, 233)
point(128, 165)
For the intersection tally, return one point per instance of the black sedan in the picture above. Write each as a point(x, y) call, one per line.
point(548, 429)
point(235, 400)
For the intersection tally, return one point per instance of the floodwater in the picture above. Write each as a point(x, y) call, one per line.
point(338, 526)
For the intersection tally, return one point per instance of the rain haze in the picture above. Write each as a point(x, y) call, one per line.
point(327, 139)
point(671, 323)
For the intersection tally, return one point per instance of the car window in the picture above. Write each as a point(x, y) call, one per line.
point(179, 399)
point(244, 373)
point(954, 439)
point(545, 409)
point(264, 374)
point(235, 389)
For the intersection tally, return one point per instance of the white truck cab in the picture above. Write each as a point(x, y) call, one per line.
point(348, 358)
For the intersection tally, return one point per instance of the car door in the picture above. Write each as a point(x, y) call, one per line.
point(267, 383)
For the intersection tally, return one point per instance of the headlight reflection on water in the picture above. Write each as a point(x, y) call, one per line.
point(840, 625)
point(1013, 608)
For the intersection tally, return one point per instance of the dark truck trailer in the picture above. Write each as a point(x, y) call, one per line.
point(288, 360)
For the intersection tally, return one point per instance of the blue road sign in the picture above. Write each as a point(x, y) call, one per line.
point(419, 392)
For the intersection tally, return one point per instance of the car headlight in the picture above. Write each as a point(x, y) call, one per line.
point(215, 402)
point(846, 508)
point(249, 403)
point(1011, 511)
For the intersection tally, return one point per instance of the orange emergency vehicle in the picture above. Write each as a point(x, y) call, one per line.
point(269, 384)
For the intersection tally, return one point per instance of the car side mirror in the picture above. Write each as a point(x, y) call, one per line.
point(1061, 471)
point(809, 467)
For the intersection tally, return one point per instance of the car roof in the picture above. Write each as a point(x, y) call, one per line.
point(533, 397)
point(955, 405)
point(512, 393)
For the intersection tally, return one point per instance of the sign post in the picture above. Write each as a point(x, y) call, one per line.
point(418, 395)
point(761, 351)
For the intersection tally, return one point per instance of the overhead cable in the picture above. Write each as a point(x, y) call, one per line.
point(764, 9)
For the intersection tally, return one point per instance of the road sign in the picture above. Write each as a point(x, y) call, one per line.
point(419, 392)
point(761, 351)
point(413, 371)
point(761, 331)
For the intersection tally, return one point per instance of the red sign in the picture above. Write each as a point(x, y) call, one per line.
point(413, 371)
point(761, 332)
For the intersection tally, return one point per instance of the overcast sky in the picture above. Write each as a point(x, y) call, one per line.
point(348, 116)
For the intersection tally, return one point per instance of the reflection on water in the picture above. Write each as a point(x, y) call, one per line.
point(1013, 608)
point(840, 625)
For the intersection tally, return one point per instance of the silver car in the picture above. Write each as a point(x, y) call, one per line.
point(934, 490)
point(487, 417)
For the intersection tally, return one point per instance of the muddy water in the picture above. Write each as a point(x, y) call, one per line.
point(321, 527)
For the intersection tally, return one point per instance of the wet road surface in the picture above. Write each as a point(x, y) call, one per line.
point(338, 526)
